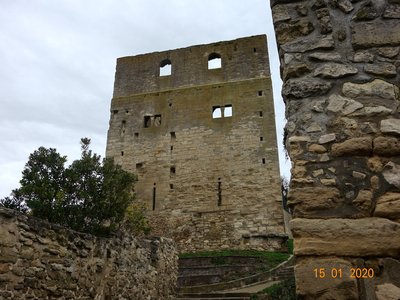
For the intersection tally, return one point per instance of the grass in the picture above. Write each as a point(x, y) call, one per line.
point(290, 246)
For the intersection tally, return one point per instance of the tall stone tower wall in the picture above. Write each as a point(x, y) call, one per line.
point(209, 182)
point(340, 66)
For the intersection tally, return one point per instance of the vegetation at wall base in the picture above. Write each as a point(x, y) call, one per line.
point(273, 258)
point(91, 195)
point(290, 246)
point(283, 290)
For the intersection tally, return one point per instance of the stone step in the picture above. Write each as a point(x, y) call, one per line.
point(225, 296)
point(263, 277)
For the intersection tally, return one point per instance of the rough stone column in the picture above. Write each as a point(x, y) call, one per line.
point(340, 66)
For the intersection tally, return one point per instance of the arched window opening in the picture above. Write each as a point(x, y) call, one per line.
point(214, 61)
point(165, 67)
point(217, 112)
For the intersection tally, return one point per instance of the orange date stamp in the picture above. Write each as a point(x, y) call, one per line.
point(357, 273)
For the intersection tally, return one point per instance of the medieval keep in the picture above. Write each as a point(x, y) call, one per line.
point(197, 126)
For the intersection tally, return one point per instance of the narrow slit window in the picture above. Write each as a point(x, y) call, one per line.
point(154, 197)
point(228, 111)
point(254, 50)
point(172, 170)
point(173, 135)
point(219, 193)
point(122, 153)
point(172, 148)
point(217, 112)
point(261, 113)
point(136, 136)
point(165, 68)
point(123, 125)
point(263, 161)
point(214, 61)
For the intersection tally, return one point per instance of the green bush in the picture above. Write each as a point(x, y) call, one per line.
point(91, 195)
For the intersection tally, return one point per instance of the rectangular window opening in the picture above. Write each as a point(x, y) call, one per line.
point(261, 113)
point(263, 161)
point(171, 186)
point(254, 50)
point(165, 68)
point(261, 138)
point(147, 121)
point(139, 166)
point(157, 120)
point(115, 111)
point(136, 136)
point(228, 111)
point(172, 170)
point(172, 148)
point(173, 135)
point(260, 93)
point(122, 153)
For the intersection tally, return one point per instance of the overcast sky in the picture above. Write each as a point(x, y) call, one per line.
point(58, 63)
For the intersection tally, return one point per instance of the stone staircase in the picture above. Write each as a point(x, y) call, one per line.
point(232, 277)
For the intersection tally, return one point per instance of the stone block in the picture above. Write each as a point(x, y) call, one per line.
point(374, 89)
point(303, 88)
point(308, 44)
point(388, 206)
point(387, 146)
point(382, 69)
point(335, 70)
point(391, 173)
point(354, 146)
point(308, 200)
point(342, 105)
point(310, 286)
point(376, 33)
point(390, 126)
point(346, 237)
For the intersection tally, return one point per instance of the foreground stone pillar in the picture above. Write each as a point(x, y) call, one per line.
point(340, 66)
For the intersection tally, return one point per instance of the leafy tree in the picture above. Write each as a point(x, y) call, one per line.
point(91, 195)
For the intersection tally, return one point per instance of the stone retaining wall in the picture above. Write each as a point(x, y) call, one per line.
point(340, 66)
point(39, 260)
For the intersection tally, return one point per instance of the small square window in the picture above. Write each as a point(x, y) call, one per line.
point(228, 111)
point(261, 138)
point(260, 93)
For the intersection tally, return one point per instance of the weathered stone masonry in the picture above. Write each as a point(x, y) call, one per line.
point(340, 65)
point(209, 182)
point(39, 260)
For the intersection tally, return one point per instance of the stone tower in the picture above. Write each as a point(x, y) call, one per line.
point(197, 126)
